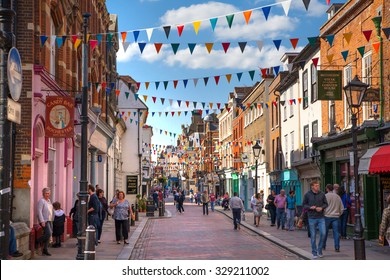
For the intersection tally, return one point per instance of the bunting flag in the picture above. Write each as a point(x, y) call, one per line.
point(247, 16)
point(312, 40)
point(149, 33)
point(330, 58)
point(315, 61)
point(158, 47)
point(306, 3)
point(175, 47)
point(209, 46)
point(180, 29)
point(191, 47)
point(266, 11)
point(196, 26)
point(348, 37)
point(228, 77)
point(141, 47)
point(259, 45)
point(167, 30)
point(361, 50)
point(294, 42)
point(330, 39)
point(213, 22)
point(276, 70)
point(242, 46)
point(277, 43)
point(387, 32)
point(345, 55)
point(124, 35)
point(376, 46)
point(367, 34)
point(225, 46)
point(43, 40)
point(230, 19)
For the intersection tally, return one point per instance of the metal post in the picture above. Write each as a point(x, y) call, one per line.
point(359, 247)
point(83, 197)
point(90, 252)
point(256, 187)
point(136, 212)
point(378, 22)
point(7, 15)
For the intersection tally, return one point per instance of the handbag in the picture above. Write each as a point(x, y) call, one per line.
point(133, 217)
point(110, 211)
point(243, 217)
point(267, 206)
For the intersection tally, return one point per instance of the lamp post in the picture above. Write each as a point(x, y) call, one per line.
point(256, 153)
point(209, 119)
point(378, 22)
point(83, 197)
point(355, 91)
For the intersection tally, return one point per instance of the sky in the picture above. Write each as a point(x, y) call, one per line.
point(148, 17)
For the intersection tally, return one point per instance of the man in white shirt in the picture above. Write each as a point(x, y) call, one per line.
point(237, 207)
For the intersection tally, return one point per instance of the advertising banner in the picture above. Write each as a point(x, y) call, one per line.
point(330, 84)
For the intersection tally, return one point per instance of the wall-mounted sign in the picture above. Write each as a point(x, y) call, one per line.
point(59, 117)
point(329, 84)
point(14, 74)
point(14, 111)
point(131, 184)
point(371, 95)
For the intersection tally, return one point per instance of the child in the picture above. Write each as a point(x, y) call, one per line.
point(58, 224)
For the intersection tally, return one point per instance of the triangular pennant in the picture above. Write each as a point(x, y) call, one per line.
point(196, 26)
point(286, 6)
point(185, 113)
point(136, 96)
point(194, 104)
point(239, 75)
point(367, 34)
point(213, 22)
point(387, 32)
point(294, 42)
point(77, 43)
point(306, 3)
point(376, 46)
point(263, 72)
point(136, 34)
point(312, 40)
point(157, 84)
point(209, 46)
point(228, 78)
point(195, 81)
point(277, 43)
point(147, 85)
point(315, 61)
point(166, 114)
point(153, 114)
point(74, 39)
point(141, 47)
point(330, 39)
point(302, 64)
point(247, 15)
point(252, 74)
point(165, 84)
point(180, 28)
point(109, 37)
point(216, 78)
point(191, 46)
point(259, 45)
point(158, 47)
point(266, 11)
point(127, 94)
point(172, 113)
point(230, 19)
point(203, 104)
point(154, 99)
point(242, 46)
point(345, 54)
point(175, 84)
point(179, 102)
point(167, 30)
point(145, 98)
point(99, 38)
point(125, 46)
point(330, 58)
point(93, 44)
point(205, 79)
point(175, 47)
point(218, 105)
point(225, 46)
point(159, 114)
point(211, 105)
point(124, 35)
point(276, 70)
point(60, 41)
point(185, 83)
point(178, 113)
point(187, 103)
point(348, 36)
point(162, 100)
point(361, 50)
point(149, 33)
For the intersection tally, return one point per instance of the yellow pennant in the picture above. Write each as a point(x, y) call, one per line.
point(145, 97)
point(347, 37)
point(209, 46)
point(77, 43)
point(330, 58)
point(147, 85)
point(228, 77)
point(196, 26)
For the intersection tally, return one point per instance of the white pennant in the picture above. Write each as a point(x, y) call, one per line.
point(149, 32)
point(159, 114)
point(195, 82)
point(286, 6)
point(125, 46)
point(53, 39)
point(259, 45)
point(170, 102)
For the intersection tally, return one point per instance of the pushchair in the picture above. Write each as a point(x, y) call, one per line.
point(225, 204)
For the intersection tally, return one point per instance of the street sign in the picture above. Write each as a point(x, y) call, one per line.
point(14, 111)
point(14, 74)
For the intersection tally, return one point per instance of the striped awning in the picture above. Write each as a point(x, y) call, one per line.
point(375, 160)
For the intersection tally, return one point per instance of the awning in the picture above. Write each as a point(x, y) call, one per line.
point(375, 160)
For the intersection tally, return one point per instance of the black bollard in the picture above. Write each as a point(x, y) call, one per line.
point(136, 212)
point(160, 214)
point(89, 253)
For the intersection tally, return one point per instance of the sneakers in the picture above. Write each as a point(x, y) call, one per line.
point(320, 255)
point(314, 257)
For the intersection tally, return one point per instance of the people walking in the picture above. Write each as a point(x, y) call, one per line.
point(94, 210)
point(272, 207)
point(291, 210)
point(253, 206)
point(205, 202)
point(212, 201)
point(332, 216)
point(237, 207)
point(346, 199)
point(258, 212)
point(315, 202)
point(384, 228)
point(45, 220)
point(280, 204)
point(74, 215)
point(58, 224)
point(180, 201)
point(104, 212)
point(121, 216)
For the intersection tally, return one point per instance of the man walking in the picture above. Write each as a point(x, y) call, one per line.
point(205, 202)
point(280, 204)
point(45, 219)
point(315, 203)
point(94, 210)
point(237, 206)
point(332, 216)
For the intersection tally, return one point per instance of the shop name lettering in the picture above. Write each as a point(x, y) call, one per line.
point(56, 102)
point(63, 131)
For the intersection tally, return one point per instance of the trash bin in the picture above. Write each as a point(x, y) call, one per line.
point(150, 208)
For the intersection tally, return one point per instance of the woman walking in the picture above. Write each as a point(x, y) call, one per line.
point(272, 207)
point(258, 209)
point(103, 201)
point(121, 216)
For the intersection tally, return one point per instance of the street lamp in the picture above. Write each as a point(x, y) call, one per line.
point(256, 153)
point(355, 91)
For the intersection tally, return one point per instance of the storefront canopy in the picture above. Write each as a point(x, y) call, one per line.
point(375, 160)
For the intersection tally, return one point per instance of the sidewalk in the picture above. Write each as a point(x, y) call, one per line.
point(298, 242)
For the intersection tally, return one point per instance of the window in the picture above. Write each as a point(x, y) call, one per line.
point(332, 116)
point(306, 141)
point(314, 93)
point(292, 147)
point(367, 78)
point(285, 112)
point(286, 150)
point(291, 106)
point(314, 132)
point(305, 90)
point(347, 79)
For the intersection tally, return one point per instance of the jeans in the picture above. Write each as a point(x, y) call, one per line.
point(121, 227)
point(212, 203)
point(205, 208)
point(93, 220)
point(280, 217)
point(272, 211)
point(100, 226)
point(12, 241)
point(236, 216)
point(290, 219)
point(343, 223)
point(335, 226)
point(313, 224)
point(47, 232)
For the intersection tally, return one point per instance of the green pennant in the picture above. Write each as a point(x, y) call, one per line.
point(165, 84)
point(127, 94)
point(312, 40)
point(361, 50)
point(109, 37)
point(175, 47)
point(252, 74)
point(229, 19)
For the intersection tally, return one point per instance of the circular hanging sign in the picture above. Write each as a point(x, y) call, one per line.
point(14, 73)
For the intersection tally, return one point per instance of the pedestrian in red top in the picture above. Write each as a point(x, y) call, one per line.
point(212, 201)
point(280, 203)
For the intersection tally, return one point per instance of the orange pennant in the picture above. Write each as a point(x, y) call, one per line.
point(347, 37)
point(376, 46)
point(294, 42)
point(247, 15)
point(228, 77)
point(209, 46)
point(124, 34)
point(158, 47)
point(330, 58)
point(147, 85)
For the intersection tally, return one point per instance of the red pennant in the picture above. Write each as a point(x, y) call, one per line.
point(225, 46)
point(104, 85)
point(367, 34)
point(263, 72)
point(187, 103)
point(218, 105)
point(74, 38)
point(294, 42)
point(315, 61)
point(154, 99)
point(158, 47)
point(173, 113)
point(138, 85)
point(93, 44)
point(376, 46)
point(180, 29)
point(328, 2)
point(175, 84)
point(216, 78)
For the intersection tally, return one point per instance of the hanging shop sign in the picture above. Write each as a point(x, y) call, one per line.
point(59, 117)
point(131, 184)
point(329, 84)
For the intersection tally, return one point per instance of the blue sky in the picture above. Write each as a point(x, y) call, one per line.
point(142, 15)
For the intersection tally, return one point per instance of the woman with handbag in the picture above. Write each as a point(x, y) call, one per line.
point(258, 211)
point(121, 216)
